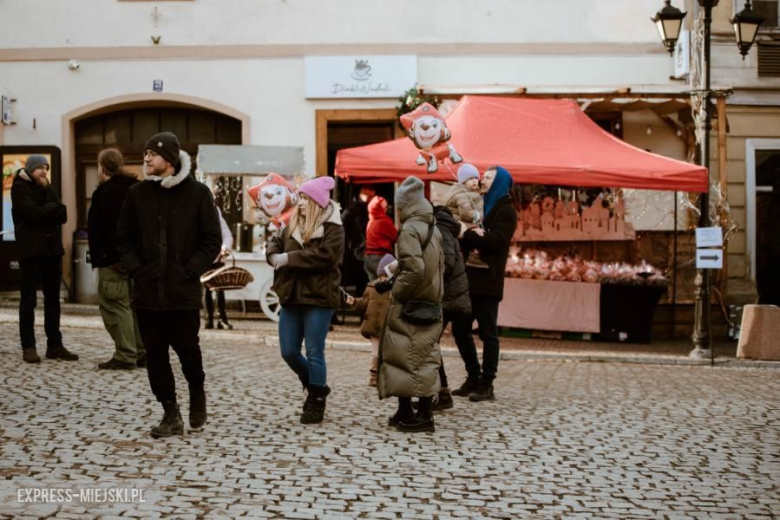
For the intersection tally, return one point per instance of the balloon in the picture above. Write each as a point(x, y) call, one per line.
point(429, 133)
point(274, 197)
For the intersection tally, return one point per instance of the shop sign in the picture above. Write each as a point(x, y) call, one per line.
point(157, 86)
point(359, 76)
point(709, 237)
point(682, 55)
point(709, 259)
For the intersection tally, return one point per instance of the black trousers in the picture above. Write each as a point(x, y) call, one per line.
point(178, 330)
point(220, 305)
point(485, 311)
point(47, 273)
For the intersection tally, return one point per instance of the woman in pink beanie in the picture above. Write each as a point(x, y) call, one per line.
point(306, 257)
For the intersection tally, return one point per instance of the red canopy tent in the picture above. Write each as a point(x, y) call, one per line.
point(539, 141)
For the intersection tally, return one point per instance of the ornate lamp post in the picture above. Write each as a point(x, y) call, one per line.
point(746, 24)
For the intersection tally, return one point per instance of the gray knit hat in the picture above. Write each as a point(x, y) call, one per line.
point(34, 162)
point(166, 145)
point(410, 190)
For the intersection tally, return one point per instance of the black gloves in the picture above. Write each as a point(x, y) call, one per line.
point(384, 285)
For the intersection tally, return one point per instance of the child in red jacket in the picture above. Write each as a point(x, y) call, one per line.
point(380, 235)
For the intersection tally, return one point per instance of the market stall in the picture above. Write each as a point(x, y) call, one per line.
point(232, 171)
point(550, 143)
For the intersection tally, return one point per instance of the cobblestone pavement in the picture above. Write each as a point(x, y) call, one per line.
point(562, 440)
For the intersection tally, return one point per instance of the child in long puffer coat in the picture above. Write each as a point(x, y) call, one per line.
point(373, 308)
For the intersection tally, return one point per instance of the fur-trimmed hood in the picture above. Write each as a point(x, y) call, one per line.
point(21, 172)
point(185, 163)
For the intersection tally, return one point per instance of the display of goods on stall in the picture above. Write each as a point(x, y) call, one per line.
point(547, 218)
point(536, 264)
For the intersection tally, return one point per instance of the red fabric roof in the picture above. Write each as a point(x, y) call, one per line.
point(539, 141)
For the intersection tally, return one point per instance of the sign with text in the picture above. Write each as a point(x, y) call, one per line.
point(709, 259)
point(359, 76)
point(709, 237)
point(157, 85)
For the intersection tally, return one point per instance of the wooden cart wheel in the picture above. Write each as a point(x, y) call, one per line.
point(269, 301)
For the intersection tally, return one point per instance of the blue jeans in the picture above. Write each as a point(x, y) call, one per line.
point(299, 322)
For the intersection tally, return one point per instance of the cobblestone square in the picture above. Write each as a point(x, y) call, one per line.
point(562, 440)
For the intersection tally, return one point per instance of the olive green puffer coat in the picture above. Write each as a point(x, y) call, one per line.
point(409, 354)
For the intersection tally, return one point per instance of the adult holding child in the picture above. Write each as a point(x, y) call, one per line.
point(486, 286)
point(306, 256)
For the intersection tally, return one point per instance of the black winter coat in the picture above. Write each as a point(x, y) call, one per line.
point(38, 216)
point(103, 218)
point(493, 249)
point(167, 238)
point(456, 282)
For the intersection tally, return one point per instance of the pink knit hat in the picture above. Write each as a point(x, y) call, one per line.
point(318, 190)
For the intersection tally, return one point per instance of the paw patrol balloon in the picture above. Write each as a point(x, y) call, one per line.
point(274, 197)
point(429, 133)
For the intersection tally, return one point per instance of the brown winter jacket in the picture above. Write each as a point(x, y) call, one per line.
point(312, 275)
point(466, 206)
point(373, 308)
point(409, 354)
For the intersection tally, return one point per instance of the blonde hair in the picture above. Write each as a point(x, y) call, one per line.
point(306, 220)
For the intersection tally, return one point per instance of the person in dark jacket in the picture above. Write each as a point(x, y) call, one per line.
point(306, 258)
point(38, 216)
point(355, 222)
point(168, 236)
point(113, 283)
point(456, 303)
point(486, 286)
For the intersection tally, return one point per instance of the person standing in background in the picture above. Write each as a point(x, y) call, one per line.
point(113, 283)
point(380, 236)
point(38, 217)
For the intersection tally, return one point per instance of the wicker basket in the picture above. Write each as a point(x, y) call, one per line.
point(226, 278)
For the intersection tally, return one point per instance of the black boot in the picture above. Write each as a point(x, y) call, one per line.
point(405, 412)
point(423, 420)
point(443, 401)
point(468, 386)
point(210, 323)
point(61, 353)
point(314, 410)
point(223, 324)
point(30, 355)
point(484, 392)
point(198, 408)
point(171, 423)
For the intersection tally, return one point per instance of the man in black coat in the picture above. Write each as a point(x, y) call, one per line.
point(38, 216)
point(113, 282)
point(486, 285)
point(168, 236)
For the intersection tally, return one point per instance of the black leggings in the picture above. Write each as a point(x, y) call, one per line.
point(220, 305)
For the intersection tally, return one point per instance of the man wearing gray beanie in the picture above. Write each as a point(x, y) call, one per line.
point(38, 216)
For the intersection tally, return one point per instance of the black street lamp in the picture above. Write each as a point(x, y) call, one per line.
point(669, 21)
point(746, 24)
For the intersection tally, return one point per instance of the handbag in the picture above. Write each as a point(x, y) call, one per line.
point(422, 312)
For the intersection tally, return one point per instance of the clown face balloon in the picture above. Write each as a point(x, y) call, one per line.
point(429, 133)
point(273, 196)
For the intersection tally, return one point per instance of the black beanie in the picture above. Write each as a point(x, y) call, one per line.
point(166, 145)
